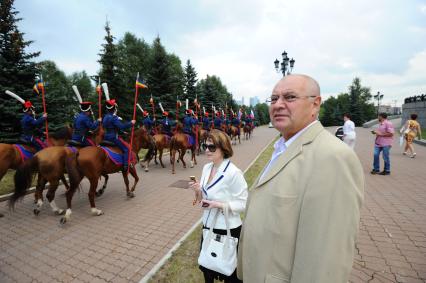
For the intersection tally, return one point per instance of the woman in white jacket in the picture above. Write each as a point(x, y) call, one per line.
point(222, 185)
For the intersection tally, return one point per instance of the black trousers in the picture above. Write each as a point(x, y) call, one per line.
point(211, 275)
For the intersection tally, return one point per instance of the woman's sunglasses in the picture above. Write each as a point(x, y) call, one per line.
point(210, 147)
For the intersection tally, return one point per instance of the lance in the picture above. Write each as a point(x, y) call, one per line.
point(137, 85)
point(99, 91)
point(151, 100)
point(196, 126)
point(41, 85)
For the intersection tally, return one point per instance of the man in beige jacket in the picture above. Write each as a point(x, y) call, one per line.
point(303, 213)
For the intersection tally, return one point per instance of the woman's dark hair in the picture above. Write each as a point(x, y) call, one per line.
point(383, 115)
point(413, 116)
point(347, 115)
point(222, 141)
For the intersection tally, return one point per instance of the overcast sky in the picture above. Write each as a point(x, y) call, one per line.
point(382, 41)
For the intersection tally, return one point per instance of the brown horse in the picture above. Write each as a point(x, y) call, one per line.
point(162, 141)
point(10, 157)
point(51, 164)
point(180, 143)
point(234, 133)
point(202, 138)
point(143, 139)
point(92, 162)
point(247, 131)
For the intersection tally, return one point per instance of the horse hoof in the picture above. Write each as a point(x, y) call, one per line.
point(63, 220)
point(146, 170)
point(36, 212)
point(60, 212)
point(96, 212)
point(130, 194)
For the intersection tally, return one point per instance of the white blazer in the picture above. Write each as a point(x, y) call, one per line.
point(228, 186)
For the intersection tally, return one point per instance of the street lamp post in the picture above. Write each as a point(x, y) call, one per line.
point(379, 97)
point(287, 64)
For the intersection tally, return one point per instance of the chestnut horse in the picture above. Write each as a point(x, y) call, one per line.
point(93, 162)
point(247, 131)
point(10, 157)
point(162, 141)
point(234, 133)
point(143, 139)
point(51, 163)
point(180, 143)
point(202, 138)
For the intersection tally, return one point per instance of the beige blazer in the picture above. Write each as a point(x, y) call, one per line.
point(302, 218)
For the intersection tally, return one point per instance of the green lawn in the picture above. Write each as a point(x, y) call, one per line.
point(424, 134)
point(182, 267)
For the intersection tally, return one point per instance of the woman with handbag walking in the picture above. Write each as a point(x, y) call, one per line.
point(222, 192)
point(411, 130)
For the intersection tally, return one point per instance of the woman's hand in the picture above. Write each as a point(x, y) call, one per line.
point(212, 204)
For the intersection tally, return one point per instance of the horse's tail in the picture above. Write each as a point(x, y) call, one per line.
point(23, 178)
point(74, 175)
point(150, 154)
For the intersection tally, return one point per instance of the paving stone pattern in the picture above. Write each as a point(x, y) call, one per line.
point(133, 235)
point(120, 246)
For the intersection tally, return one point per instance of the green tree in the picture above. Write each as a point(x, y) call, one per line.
point(61, 104)
point(190, 81)
point(110, 71)
point(160, 80)
point(133, 57)
point(262, 113)
point(16, 72)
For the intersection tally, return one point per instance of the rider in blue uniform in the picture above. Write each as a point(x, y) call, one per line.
point(236, 122)
point(188, 123)
point(166, 124)
point(249, 121)
point(218, 121)
point(83, 123)
point(30, 125)
point(206, 122)
point(112, 125)
point(147, 122)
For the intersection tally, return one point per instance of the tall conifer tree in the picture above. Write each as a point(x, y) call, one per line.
point(16, 72)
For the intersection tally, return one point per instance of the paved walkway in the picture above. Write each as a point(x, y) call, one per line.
point(391, 244)
point(120, 246)
point(133, 235)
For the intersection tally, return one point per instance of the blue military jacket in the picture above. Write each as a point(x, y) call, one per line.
point(217, 122)
point(82, 124)
point(148, 123)
point(206, 123)
point(188, 122)
point(29, 125)
point(236, 122)
point(112, 124)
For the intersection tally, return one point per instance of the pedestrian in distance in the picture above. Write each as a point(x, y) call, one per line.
point(303, 211)
point(410, 131)
point(383, 143)
point(349, 134)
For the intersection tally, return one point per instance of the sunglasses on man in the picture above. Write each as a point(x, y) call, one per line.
point(210, 147)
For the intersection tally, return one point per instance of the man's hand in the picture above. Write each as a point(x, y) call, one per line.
point(133, 122)
point(45, 115)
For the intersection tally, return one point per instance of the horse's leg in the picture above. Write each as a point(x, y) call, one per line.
point(172, 159)
point(193, 155)
point(181, 155)
point(101, 190)
point(65, 182)
point(160, 156)
point(69, 195)
point(92, 191)
point(51, 197)
point(38, 194)
point(131, 193)
point(155, 157)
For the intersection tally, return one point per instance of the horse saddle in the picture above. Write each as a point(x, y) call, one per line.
point(107, 143)
point(116, 155)
point(23, 152)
